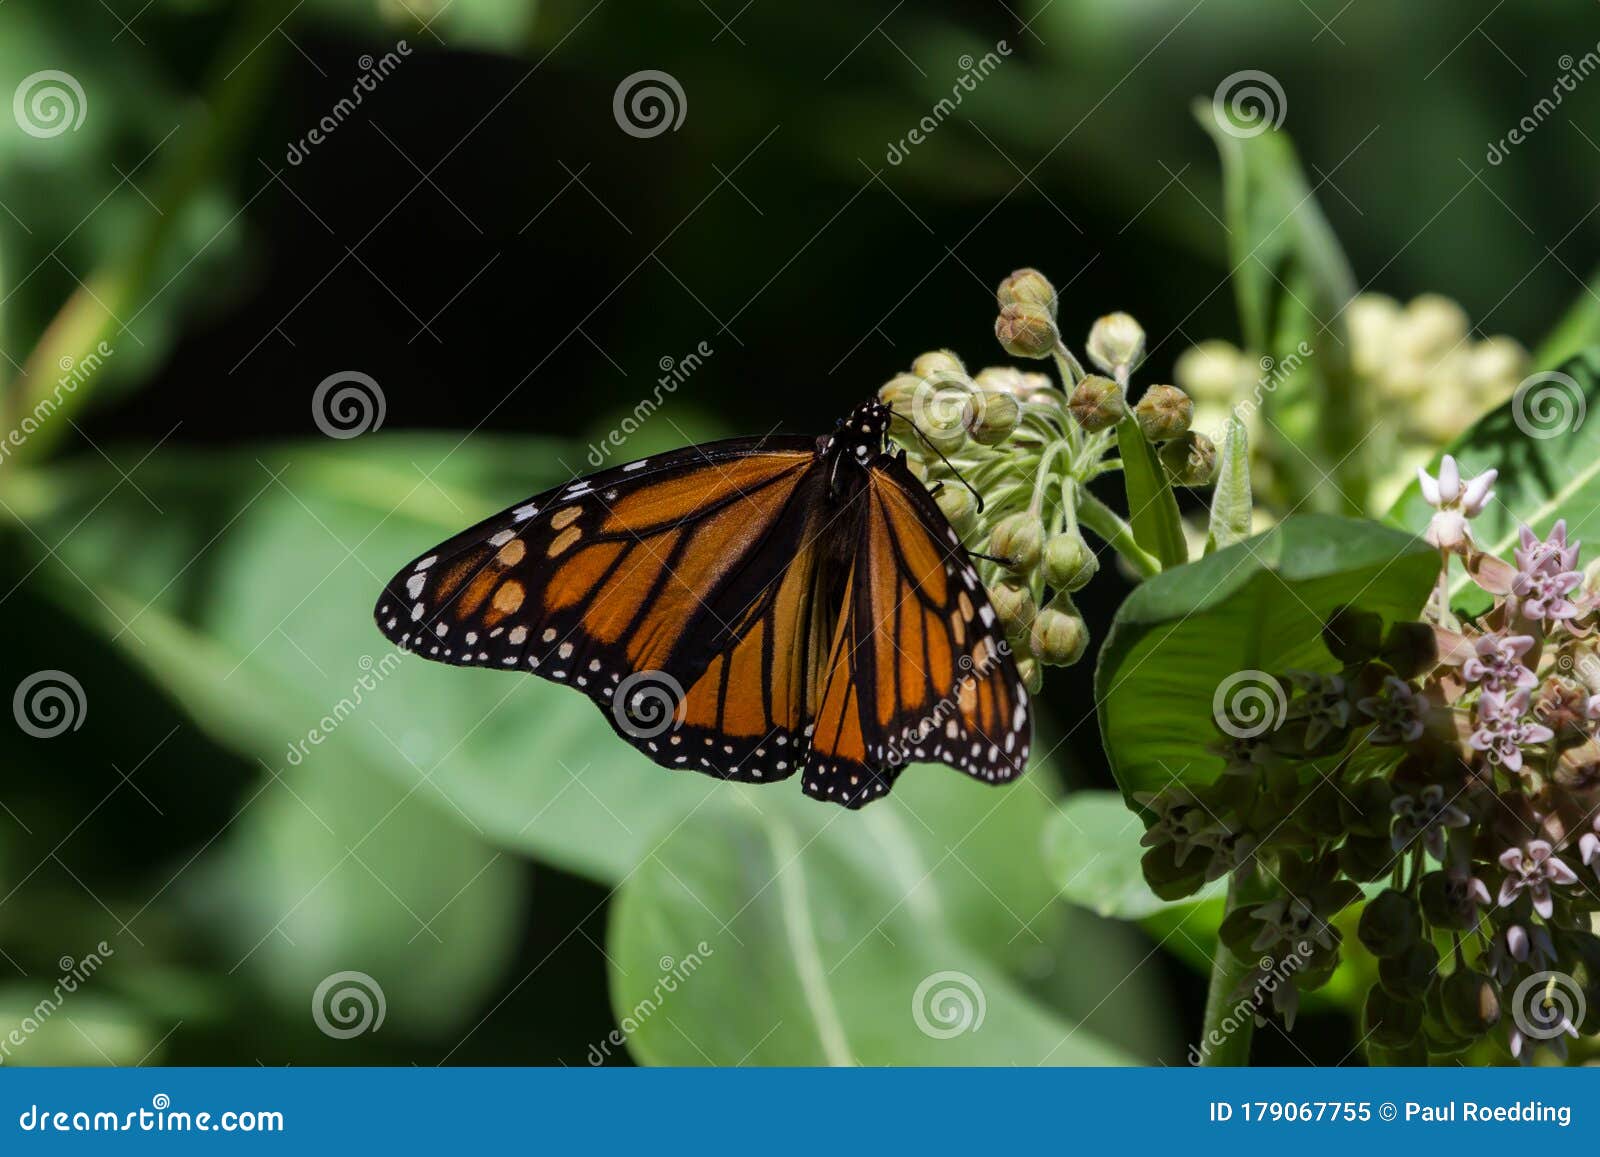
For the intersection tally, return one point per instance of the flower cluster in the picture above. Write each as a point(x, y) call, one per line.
point(1419, 360)
point(1448, 771)
point(1030, 444)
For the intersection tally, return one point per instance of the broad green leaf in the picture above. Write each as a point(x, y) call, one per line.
point(336, 869)
point(1545, 442)
point(1231, 501)
point(1292, 283)
point(766, 930)
point(1191, 640)
point(250, 600)
point(1092, 849)
point(1152, 507)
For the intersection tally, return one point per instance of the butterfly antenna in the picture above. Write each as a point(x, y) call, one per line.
point(959, 476)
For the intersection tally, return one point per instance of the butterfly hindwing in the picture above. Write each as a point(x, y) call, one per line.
point(921, 670)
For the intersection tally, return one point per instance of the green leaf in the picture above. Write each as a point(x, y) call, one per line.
point(42, 1025)
point(1152, 507)
point(814, 937)
point(1231, 502)
point(1190, 637)
point(1292, 283)
point(322, 874)
point(1545, 442)
point(1092, 849)
point(250, 600)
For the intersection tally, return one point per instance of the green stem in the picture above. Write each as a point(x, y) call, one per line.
point(1221, 1048)
point(1111, 526)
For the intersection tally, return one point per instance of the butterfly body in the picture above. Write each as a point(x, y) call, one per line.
point(750, 609)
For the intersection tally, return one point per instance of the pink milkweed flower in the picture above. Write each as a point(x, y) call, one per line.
point(1497, 663)
point(1533, 869)
point(1455, 501)
point(1399, 710)
point(1554, 554)
point(1427, 814)
point(1501, 732)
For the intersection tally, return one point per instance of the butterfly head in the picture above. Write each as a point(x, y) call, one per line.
point(859, 437)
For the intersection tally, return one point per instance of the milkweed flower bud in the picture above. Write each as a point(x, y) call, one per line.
point(1164, 413)
point(1026, 330)
point(936, 365)
point(1470, 1003)
point(1069, 564)
point(899, 393)
point(959, 507)
point(1116, 342)
point(1190, 459)
point(1032, 674)
point(1390, 924)
point(1027, 287)
point(1097, 403)
point(1019, 539)
point(1013, 604)
point(991, 418)
point(1059, 637)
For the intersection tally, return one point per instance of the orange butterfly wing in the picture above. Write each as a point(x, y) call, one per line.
point(680, 593)
point(919, 669)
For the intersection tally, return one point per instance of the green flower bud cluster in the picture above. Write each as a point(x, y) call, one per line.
point(1418, 361)
point(1449, 771)
point(1027, 443)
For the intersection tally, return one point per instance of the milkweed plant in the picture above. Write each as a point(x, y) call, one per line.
point(1417, 811)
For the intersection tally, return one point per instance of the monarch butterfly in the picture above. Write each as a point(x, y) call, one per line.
point(750, 609)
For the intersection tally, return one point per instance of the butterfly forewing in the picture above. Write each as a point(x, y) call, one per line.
point(655, 588)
